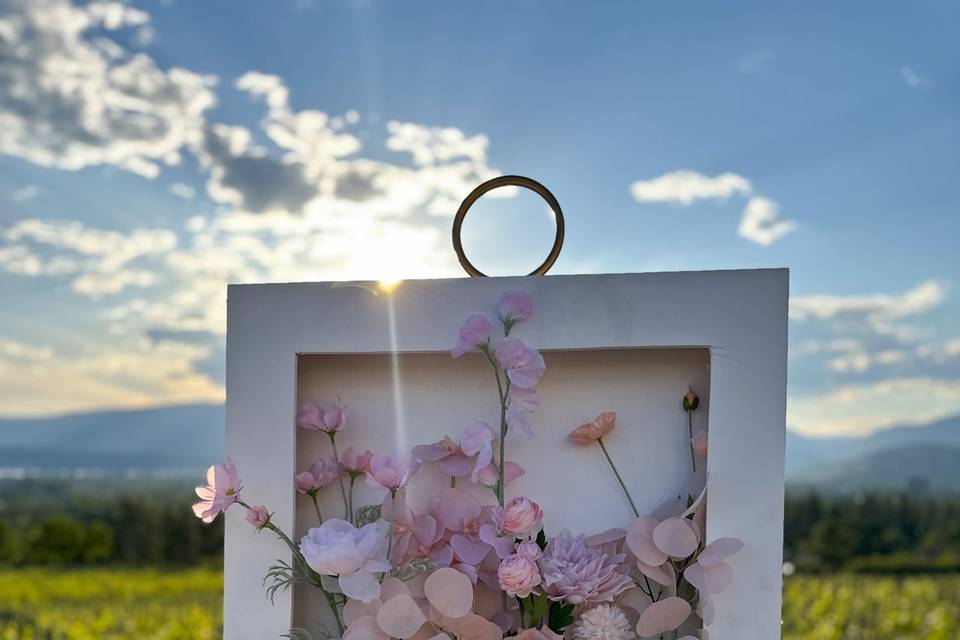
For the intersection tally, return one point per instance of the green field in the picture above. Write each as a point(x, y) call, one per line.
point(185, 605)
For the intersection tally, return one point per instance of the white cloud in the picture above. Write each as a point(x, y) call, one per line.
point(761, 222)
point(756, 62)
point(913, 79)
point(14, 350)
point(925, 297)
point(70, 100)
point(98, 262)
point(25, 193)
point(864, 408)
point(182, 190)
point(685, 186)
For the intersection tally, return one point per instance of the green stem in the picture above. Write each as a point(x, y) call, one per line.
point(616, 473)
point(693, 459)
point(353, 481)
point(336, 459)
point(503, 390)
point(316, 505)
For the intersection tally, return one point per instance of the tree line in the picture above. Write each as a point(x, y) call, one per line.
point(50, 523)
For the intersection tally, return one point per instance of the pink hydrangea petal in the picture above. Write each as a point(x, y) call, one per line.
point(662, 616)
point(675, 538)
point(718, 550)
point(449, 592)
point(400, 617)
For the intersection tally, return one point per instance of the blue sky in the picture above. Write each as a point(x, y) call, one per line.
point(150, 152)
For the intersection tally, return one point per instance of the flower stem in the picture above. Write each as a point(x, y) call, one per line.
point(623, 486)
point(353, 481)
point(316, 506)
point(336, 460)
point(503, 391)
point(693, 459)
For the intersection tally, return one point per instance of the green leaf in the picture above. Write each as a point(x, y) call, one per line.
point(538, 608)
point(542, 540)
point(560, 616)
point(367, 514)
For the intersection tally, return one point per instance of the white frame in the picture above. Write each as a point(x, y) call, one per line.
point(741, 316)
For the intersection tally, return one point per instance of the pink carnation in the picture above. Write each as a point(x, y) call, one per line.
point(518, 575)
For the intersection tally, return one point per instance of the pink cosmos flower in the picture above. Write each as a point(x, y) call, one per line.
point(314, 417)
point(699, 442)
point(354, 464)
point(320, 474)
point(579, 574)
point(221, 491)
point(518, 575)
point(601, 426)
point(390, 472)
point(514, 306)
point(356, 556)
point(467, 457)
point(520, 517)
point(475, 331)
point(710, 574)
point(524, 366)
point(259, 517)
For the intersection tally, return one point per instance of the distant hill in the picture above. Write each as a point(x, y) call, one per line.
point(168, 439)
point(925, 457)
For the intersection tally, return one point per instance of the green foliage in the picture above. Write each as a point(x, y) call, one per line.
point(367, 514)
point(542, 540)
point(559, 616)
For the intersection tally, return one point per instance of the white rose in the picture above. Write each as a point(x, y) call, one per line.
point(337, 548)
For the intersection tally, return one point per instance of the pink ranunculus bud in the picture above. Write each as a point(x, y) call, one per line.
point(514, 306)
point(690, 400)
point(530, 550)
point(699, 442)
point(314, 417)
point(590, 432)
point(320, 474)
point(475, 331)
point(353, 463)
point(390, 472)
point(518, 575)
point(520, 517)
point(259, 517)
point(221, 491)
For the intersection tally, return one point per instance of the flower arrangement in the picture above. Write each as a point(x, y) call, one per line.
point(475, 569)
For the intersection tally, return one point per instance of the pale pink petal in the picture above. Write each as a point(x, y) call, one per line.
point(425, 528)
point(361, 586)
point(458, 465)
point(718, 577)
point(512, 471)
point(675, 538)
point(400, 617)
point(442, 557)
point(610, 535)
point(365, 628)
point(469, 551)
point(353, 610)
point(457, 505)
point(705, 608)
point(449, 592)
point(640, 541)
point(391, 587)
point(657, 574)
point(662, 616)
point(475, 627)
point(718, 550)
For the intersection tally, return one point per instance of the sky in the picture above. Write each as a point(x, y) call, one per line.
point(151, 152)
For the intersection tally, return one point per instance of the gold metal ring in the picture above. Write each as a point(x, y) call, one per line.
point(505, 181)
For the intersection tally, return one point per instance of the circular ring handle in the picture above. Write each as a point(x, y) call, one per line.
point(506, 181)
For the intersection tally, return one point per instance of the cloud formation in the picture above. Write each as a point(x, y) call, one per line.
point(761, 222)
point(913, 79)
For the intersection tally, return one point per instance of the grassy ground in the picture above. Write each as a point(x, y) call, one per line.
point(185, 605)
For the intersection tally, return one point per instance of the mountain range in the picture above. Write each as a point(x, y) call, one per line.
point(182, 439)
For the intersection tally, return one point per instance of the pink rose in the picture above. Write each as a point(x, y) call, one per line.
point(699, 442)
point(591, 431)
point(259, 517)
point(518, 575)
point(221, 491)
point(514, 306)
point(319, 475)
point(355, 464)
point(519, 518)
point(475, 331)
point(524, 366)
point(314, 417)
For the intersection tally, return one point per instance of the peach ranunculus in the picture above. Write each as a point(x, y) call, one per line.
point(518, 575)
point(592, 431)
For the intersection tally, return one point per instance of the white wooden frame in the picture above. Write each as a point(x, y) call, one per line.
point(741, 316)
